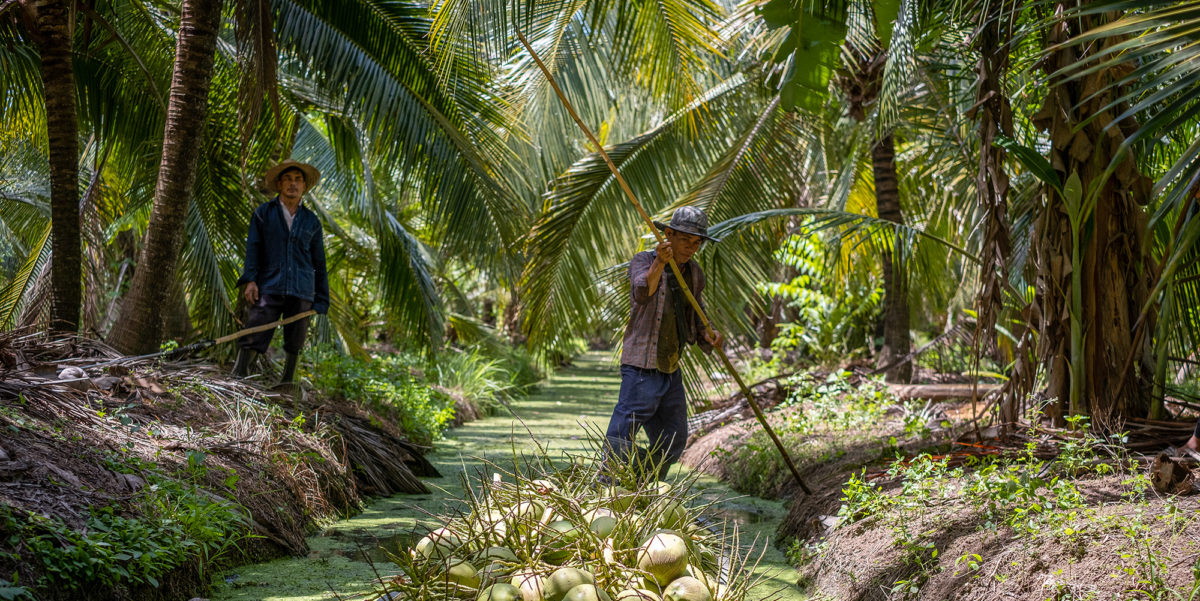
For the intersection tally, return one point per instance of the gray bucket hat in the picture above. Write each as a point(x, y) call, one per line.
point(689, 220)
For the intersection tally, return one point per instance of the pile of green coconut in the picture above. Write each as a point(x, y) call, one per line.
point(565, 536)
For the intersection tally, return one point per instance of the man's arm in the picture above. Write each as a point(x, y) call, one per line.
point(321, 277)
point(645, 273)
point(254, 241)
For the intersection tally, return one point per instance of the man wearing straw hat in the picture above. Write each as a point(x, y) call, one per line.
point(661, 323)
point(284, 273)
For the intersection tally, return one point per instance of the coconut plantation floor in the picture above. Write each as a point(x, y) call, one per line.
point(347, 555)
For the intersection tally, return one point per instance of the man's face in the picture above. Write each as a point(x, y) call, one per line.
point(291, 184)
point(683, 245)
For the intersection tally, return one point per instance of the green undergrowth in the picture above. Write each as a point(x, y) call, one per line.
point(1033, 500)
point(171, 523)
point(818, 422)
point(418, 394)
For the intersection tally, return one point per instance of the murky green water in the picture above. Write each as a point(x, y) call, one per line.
point(347, 556)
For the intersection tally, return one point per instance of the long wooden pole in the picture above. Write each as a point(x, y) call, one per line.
point(203, 344)
point(762, 419)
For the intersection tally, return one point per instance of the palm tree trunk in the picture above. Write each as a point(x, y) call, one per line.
point(897, 340)
point(53, 25)
point(1116, 360)
point(139, 328)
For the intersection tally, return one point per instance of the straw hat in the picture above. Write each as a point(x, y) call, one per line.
point(311, 175)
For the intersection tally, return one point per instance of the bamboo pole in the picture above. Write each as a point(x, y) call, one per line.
point(203, 344)
point(762, 419)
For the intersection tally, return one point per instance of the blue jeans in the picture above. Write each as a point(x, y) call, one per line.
point(655, 401)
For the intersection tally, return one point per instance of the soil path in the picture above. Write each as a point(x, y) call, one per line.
point(573, 402)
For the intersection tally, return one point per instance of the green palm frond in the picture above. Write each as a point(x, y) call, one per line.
point(15, 296)
point(20, 79)
point(846, 221)
point(664, 46)
point(900, 69)
point(1153, 45)
point(588, 223)
point(371, 57)
point(405, 279)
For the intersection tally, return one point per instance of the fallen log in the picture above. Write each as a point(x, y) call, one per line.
point(940, 392)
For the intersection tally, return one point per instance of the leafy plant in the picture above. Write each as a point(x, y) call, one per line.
point(834, 318)
point(386, 384)
point(179, 525)
point(12, 592)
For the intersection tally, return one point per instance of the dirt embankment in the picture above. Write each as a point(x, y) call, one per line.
point(926, 513)
point(181, 467)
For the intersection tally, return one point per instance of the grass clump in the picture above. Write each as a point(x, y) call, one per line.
point(971, 516)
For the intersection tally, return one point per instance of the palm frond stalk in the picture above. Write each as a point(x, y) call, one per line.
point(994, 112)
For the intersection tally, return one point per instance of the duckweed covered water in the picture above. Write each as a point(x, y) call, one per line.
point(348, 555)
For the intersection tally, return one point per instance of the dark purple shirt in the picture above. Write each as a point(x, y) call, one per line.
point(640, 345)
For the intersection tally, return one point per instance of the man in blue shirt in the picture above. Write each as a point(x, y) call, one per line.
point(284, 273)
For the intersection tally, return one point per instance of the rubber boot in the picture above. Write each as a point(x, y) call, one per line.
point(289, 368)
point(241, 367)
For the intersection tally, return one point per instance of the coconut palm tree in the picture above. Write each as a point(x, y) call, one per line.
point(48, 24)
point(139, 327)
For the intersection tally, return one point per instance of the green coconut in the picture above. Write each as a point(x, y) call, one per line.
point(563, 580)
point(598, 512)
point(706, 556)
point(462, 573)
point(637, 594)
point(501, 592)
point(619, 499)
point(709, 582)
point(603, 526)
point(686, 588)
point(664, 556)
point(524, 515)
point(531, 583)
point(543, 486)
point(586, 592)
point(496, 570)
point(501, 553)
point(493, 525)
point(557, 540)
point(438, 544)
point(650, 584)
point(671, 513)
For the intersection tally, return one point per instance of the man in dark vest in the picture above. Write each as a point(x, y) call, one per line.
point(661, 323)
point(284, 273)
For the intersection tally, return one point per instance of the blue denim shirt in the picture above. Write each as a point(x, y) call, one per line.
point(287, 262)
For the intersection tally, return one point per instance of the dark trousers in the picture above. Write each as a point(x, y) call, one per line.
point(655, 401)
point(273, 307)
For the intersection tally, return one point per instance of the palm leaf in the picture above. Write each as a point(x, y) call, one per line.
point(14, 297)
point(587, 222)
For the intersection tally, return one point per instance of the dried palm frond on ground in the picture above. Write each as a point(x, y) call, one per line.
point(79, 440)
